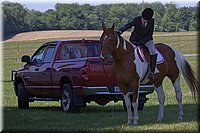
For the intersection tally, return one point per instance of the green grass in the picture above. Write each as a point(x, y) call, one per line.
point(47, 116)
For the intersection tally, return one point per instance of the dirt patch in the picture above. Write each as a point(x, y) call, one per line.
point(56, 34)
point(69, 34)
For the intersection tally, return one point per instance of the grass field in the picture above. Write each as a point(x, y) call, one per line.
point(47, 116)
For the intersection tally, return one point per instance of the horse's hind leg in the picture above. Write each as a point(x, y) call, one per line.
point(161, 99)
point(178, 92)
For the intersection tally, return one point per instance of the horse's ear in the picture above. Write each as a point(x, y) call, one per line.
point(113, 27)
point(103, 26)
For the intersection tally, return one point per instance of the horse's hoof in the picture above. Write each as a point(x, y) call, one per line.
point(158, 121)
point(180, 118)
point(135, 124)
point(129, 123)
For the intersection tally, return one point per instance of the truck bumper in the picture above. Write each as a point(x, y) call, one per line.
point(105, 90)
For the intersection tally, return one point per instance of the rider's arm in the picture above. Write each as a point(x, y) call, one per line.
point(127, 26)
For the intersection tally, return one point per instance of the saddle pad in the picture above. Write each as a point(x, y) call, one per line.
point(160, 58)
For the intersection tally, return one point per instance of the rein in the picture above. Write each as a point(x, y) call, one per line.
point(124, 46)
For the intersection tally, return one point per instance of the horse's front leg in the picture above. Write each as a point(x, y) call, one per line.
point(135, 88)
point(128, 107)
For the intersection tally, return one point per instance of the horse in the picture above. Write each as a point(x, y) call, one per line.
point(130, 71)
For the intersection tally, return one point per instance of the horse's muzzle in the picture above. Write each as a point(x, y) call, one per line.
point(105, 58)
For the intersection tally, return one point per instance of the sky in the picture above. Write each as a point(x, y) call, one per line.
point(44, 5)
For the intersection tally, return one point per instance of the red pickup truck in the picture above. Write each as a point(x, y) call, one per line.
point(69, 71)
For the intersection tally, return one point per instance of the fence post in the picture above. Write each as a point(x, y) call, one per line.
point(179, 41)
point(17, 58)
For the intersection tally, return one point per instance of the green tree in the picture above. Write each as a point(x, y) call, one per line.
point(70, 16)
point(183, 16)
point(193, 25)
point(36, 21)
point(165, 19)
point(102, 12)
point(92, 22)
point(169, 17)
point(116, 14)
point(73, 16)
point(159, 12)
point(50, 19)
point(14, 18)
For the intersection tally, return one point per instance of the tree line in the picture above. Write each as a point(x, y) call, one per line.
point(168, 17)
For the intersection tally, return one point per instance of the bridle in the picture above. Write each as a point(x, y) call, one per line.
point(118, 44)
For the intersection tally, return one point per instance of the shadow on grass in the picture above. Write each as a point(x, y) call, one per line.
point(91, 118)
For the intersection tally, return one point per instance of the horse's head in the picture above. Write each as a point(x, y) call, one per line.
point(108, 41)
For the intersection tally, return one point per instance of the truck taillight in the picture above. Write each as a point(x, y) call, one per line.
point(85, 72)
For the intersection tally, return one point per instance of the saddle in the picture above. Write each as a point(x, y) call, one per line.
point(144, 55)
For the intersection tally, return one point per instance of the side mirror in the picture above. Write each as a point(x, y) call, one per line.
point(26, 59)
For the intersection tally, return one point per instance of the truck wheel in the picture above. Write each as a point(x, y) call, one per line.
point(23, 102)
point(67, 99)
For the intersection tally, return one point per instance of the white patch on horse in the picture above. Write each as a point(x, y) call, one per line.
point(135, 107)
point(128, 107)
point(124, 45)
point(105, 37)
point(156, 70)
point(141, 67)
point(101, 56)
point(118, 42)
point(178, 58)
point(178, 92)
point(161, 99)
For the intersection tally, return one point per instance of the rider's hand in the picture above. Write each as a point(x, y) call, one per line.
point(140, 42)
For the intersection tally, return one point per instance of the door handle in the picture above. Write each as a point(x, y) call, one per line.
point(36, 69)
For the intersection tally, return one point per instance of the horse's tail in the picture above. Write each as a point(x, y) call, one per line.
point(188, 74)
point(189, 77)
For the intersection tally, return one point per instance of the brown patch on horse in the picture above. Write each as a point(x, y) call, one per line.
point(125, 80)
point(168, 67)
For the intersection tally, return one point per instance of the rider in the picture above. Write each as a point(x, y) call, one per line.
point(143, 35)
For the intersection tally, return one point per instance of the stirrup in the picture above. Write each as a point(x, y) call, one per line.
point(151, 76)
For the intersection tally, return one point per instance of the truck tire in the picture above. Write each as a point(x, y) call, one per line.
point(23, 102)
point(67, 99)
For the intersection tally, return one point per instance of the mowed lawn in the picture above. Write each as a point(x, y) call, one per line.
point(48, 117)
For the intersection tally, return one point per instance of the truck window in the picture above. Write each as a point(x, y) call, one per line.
point(43, 55)
point(49, 54)
point(79, 50)
point(38, 55)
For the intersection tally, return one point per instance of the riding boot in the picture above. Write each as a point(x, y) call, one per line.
point(153, 59)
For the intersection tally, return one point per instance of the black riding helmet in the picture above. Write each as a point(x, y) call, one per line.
point(147, 13)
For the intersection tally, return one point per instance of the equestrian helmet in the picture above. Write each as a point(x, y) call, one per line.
point(147, 14)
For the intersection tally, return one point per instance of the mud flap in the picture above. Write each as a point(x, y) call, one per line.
point(78, 98)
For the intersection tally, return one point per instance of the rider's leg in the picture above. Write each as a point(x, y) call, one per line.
point(153, 57)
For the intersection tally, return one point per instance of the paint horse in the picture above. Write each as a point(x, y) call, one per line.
point(131, 70)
